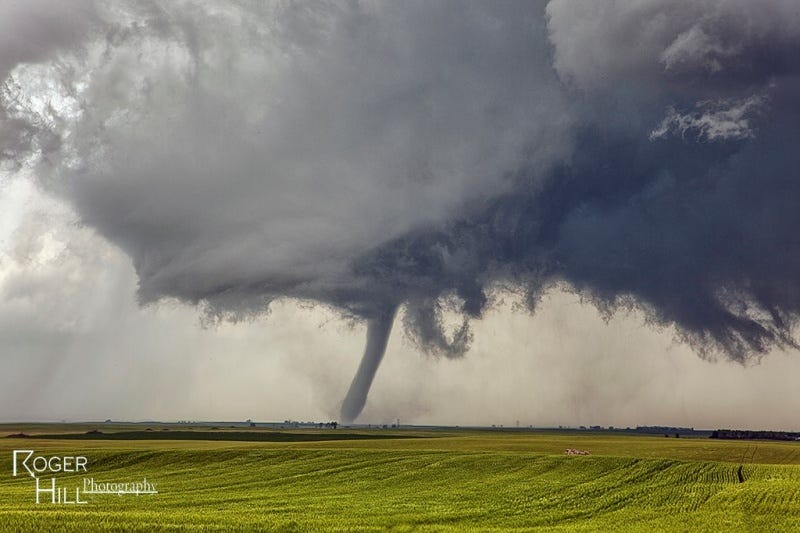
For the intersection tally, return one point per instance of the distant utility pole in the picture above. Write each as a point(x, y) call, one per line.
point(398, 423)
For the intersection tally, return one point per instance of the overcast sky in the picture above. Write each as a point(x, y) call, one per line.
point(583, 212)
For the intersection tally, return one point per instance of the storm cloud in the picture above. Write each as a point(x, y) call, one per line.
point(371, 155)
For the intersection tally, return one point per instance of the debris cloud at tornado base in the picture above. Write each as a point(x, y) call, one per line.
point(366, 156)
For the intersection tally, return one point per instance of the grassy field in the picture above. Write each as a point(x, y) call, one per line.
point(438, 480)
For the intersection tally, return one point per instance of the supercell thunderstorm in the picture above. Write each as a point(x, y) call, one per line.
point(371, 156)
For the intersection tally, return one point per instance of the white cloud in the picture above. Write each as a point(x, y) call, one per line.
point(712, 121)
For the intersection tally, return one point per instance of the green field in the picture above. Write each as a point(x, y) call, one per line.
point(437, 480)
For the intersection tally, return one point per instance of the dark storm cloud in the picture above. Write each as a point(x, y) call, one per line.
point(34, 30)
point(374, 155)
point(244, 152)
point(676, 44)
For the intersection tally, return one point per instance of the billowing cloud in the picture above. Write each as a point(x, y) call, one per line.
point(242, 153)
point(713, 42)
point(37, 30)
point(371, 155)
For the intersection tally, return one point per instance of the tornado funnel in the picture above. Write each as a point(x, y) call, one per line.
point(378, 330)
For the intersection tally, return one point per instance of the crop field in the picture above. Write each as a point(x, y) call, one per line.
point(405, 481)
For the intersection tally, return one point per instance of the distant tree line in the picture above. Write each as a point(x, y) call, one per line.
point(747, 434)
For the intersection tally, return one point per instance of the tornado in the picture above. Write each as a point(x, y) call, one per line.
point(378, 330)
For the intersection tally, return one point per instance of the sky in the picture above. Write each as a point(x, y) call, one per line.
point(578, 213)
